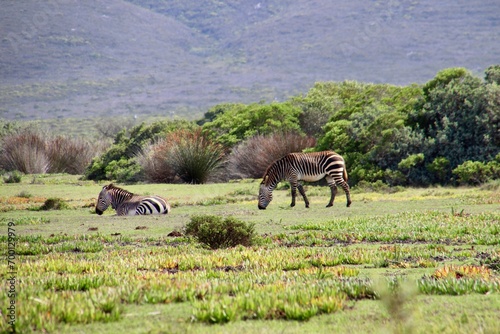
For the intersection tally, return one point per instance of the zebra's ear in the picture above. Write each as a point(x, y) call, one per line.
point(265, 179)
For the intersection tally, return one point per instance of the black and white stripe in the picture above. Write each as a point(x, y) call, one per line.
point(126, 203)
point(308, 167)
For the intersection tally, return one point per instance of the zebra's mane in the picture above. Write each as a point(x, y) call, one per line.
point(111, 186)
point(269, 171)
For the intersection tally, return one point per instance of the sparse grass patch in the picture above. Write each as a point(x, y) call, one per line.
point(25, 221)
point(430, 226)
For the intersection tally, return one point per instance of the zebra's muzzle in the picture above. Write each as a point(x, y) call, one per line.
point(261, 207)
point(99, 212)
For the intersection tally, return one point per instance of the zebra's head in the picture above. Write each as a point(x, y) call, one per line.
point(103, 201)
point(265, 193)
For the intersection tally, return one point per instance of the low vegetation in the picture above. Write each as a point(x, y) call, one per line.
point(394, 257)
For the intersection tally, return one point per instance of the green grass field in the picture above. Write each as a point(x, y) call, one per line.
point(412, 261)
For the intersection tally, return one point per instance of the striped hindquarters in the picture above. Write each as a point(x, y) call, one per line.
point(153, 205)
point(316, 165)
point(144, 205)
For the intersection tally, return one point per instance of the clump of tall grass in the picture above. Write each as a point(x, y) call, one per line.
point(69, 155)
point(32, 152)
point(25, 151)
point(155, 163)
point(186, 154)
point(251, 158)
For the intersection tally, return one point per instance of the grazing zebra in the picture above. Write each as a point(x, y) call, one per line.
point(308, 167)
point(126, 203)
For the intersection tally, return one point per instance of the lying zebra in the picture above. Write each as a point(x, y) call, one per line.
point(308, 167)
point(126, 203)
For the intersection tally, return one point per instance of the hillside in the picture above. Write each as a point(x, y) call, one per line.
point(73, 59)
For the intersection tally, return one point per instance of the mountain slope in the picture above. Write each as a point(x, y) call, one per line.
point(68, 58)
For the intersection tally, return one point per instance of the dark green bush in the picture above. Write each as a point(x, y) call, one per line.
point(367, 125)
point(12, 177)
point(440, 168)
point(216, 232)
point(477, 172)
point(458, 120)
point(54, 204)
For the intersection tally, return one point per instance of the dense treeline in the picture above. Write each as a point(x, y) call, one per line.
point(443, 132)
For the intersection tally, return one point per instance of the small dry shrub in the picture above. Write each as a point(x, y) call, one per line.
point(251, 158)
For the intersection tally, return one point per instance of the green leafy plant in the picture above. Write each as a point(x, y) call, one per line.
point(232, 123)
point(472, 173)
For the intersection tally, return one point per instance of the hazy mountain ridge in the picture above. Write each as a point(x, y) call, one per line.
point(68, 58)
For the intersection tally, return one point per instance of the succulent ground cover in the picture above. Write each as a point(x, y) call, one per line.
point(416, 260)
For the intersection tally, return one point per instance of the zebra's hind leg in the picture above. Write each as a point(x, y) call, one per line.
point(303, 193)
point(347, 191)
point(333, 191)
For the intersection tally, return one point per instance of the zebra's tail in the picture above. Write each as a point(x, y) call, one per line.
point(345, 174)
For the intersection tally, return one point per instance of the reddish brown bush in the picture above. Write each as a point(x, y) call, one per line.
point(154, 162)
point(32, 152)
point(69, 155)
point(251, 158)
point(24, 151)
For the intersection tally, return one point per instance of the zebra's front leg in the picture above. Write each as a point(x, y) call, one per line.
point(303, 193)
point(293, 188)
point(333, 192)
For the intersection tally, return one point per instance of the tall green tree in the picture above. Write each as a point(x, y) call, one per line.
point(459, 119)
point(234, 123)
point(368, 126)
